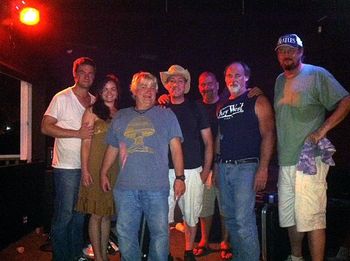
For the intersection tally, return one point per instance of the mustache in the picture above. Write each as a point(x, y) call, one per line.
point(206, 91)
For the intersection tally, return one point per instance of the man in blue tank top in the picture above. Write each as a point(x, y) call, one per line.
point(303, 93)
point(244, 145)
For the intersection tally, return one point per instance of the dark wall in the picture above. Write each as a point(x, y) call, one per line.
point(205, 35)
point(21, 194)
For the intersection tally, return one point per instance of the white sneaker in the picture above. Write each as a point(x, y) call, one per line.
point(294, 258)
point(88, 251)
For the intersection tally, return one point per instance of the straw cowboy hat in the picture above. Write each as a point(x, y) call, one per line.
point(176, 70)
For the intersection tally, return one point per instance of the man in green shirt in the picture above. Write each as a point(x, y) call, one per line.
point(303, 94)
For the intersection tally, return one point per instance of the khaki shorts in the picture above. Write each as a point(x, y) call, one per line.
point(191, 202)
point(210, 193)
point(302, 198)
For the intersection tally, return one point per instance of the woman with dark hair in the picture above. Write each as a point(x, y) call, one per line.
point(92, 199)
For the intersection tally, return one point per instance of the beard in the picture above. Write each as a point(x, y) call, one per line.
point(207, 94)
point(291, 66)
point(235, 88)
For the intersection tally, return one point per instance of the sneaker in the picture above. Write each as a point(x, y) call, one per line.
point(88, 251)
point(294, 258)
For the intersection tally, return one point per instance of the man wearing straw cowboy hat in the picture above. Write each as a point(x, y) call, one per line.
point(195, 126)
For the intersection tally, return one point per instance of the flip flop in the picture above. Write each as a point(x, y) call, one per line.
point(225, 251)
point(226, 254)
point(201, 251)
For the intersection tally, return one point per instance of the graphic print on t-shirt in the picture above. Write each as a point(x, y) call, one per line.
point(227, 112)
point(138, 129)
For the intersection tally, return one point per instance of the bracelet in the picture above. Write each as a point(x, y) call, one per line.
point(182, 177)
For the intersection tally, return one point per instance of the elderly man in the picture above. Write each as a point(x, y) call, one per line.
point(303, 93)
point(244, 145)
point(62, 120)
point(195, 127)
point(141, 136)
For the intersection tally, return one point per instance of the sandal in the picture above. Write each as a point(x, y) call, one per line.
point(226, 254)
point(201, 251)
point(225, 251)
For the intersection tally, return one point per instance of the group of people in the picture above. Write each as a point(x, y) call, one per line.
point(142, 160)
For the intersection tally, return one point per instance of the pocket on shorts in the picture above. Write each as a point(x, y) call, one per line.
point(316, 193)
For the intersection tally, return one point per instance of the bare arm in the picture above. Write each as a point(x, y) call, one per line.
point(336, 117)
point(49, 127)
point(177, 157)
point(109, 158)
point(89, 120)
point(265, 116)
point(207, 138)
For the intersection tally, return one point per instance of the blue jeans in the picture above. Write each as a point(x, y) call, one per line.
point(235, 183)
point(67, 224)
point(131, 204)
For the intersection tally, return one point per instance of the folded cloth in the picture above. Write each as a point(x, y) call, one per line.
point(307, 163)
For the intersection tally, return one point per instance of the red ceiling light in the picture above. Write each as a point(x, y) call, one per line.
point(29, 16)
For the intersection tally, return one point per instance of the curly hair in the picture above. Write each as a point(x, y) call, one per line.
point(99, 107)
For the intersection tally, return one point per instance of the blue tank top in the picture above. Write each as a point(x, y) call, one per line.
point(239, 129)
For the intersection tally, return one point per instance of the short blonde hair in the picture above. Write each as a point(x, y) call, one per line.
point(142, 76)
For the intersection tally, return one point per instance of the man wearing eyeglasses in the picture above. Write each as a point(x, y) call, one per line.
point(303, 93)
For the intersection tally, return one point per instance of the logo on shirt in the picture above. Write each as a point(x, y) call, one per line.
point(230, 110)
point(138, 129)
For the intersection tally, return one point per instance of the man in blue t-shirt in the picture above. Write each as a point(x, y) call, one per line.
point(303, 93)
point(141, 137)
point(244, 145)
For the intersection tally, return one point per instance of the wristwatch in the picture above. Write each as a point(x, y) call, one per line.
point(182, 177)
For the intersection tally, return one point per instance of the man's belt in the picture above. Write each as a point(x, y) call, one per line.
point(239, 161)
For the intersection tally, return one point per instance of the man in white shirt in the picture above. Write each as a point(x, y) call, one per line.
point(62, 120)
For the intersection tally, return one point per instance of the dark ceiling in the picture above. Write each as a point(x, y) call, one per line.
point(163, 30)
point(128, 36)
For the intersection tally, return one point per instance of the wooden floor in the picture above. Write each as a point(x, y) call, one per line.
point(32, 242)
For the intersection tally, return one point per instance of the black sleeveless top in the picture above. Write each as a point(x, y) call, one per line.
point(239, 129)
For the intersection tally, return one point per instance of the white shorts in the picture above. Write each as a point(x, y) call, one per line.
point(302, 198)
point(191, 202)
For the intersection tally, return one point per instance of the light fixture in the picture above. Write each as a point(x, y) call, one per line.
point(29, 16)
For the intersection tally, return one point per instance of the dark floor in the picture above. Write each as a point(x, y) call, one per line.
point(32, 242)
point(338, 222)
